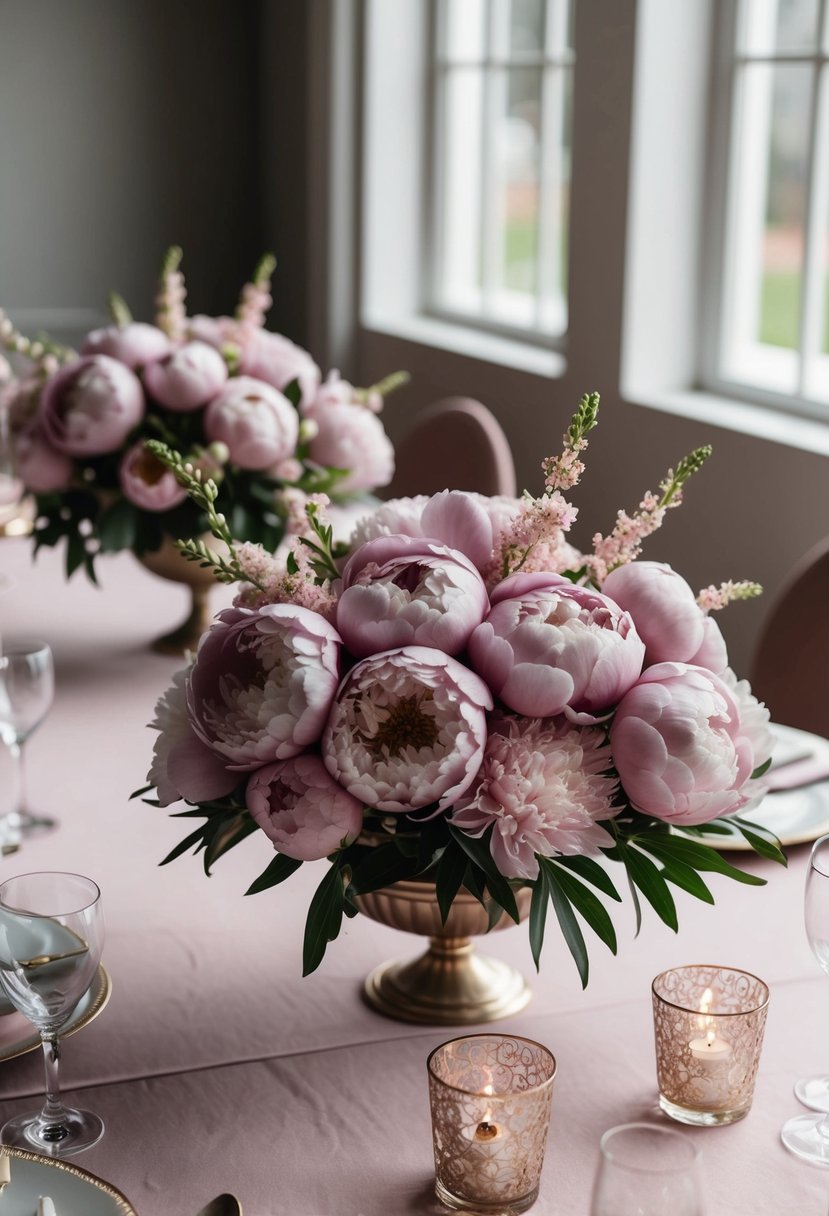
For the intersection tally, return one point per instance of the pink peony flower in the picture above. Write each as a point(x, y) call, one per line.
point(187, 378)
point(353, 438)
point(400, 591)
point(302, 810)
point(664, 609)
point(682, 749)
point(219, 332)
point(278, 361)
point(183, 767)
point(136, 344)
point(263, 682)
point(258, 424)
point(90, 406)
point(407, 729)
point(542, 785)
point(146, 482)
point(40, 466)
point(397, 517)
point(549, 647)
point(713, 652)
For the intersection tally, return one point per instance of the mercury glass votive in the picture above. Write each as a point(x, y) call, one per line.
point(490, 1097)
point(708, 1025)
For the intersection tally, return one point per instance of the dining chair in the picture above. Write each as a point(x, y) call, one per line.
point(454, 444)
point(790, 667)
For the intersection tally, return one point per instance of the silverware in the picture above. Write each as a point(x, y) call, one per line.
point(40, 960)
point(222, 1205)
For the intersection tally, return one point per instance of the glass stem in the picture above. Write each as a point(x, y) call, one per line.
point(54, 1115)
point(22, 798)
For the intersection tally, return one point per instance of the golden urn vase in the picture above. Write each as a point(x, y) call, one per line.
point(451, 984)
point(168, 563)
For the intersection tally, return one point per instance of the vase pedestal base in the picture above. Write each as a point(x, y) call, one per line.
point(449, 985)
point(187, 636)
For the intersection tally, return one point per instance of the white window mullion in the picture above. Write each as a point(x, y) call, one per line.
point(490, 227)
point(817, 209)
point(548, 241)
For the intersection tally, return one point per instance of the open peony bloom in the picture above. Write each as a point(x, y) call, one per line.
point(351, 437)
point(146, 482)
point(685, 744)
point(549, 647)
point(186, 378)
point(258, 424)
point(263, 682)
point(400, 591)
point(278, 361)
point(407, 730)
point(713, 652)
point(182, 766)
point(41, 467)
point(542, 787)
point(90, 406)
point(303, 810)
point(136, 344)
point(664, 609)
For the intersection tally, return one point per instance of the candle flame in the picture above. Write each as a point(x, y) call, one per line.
point(705, 1022)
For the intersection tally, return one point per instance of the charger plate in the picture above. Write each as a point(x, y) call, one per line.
point(74, 1192)
point(18, 1035)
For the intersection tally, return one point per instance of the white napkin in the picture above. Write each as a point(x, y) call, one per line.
point(45, 1207)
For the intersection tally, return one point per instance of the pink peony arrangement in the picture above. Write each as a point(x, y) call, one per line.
point(247, 407)
point(467, 698)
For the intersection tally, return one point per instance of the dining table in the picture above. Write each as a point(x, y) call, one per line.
point(217, 1067)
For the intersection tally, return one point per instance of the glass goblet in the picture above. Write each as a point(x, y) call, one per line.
point(11, 486)
point(51, 937)
point(808, 1135)
point(27, 685)
point(646, 1170)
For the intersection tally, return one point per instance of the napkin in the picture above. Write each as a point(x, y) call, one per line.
point(45, 1207)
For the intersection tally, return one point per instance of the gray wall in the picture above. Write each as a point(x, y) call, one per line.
point(126, 127)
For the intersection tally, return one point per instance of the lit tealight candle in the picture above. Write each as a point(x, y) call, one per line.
point(487, 1131)
point(713, 1055)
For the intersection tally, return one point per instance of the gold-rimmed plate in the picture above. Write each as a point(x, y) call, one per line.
point(74, 1192)
point(18, 1035)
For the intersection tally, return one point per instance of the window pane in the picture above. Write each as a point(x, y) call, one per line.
point(518, 154)
point(460, 199)
point(527, 25)
point(788, 26)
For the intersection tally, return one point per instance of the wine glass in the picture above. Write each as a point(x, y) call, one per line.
point(646, 1170)
point(11, 486)
point(51, 937)
point(808, 1135)
point(27, 684)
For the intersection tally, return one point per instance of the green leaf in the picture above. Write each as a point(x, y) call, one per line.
point(380, 867)
point(193, 839)
point(538, 918)
point(226, 835)
point(591, 872)
point(449, 877)
point(118, 526)
point(75, 553)
point(650, 881)
point(761, 769)
point(324, 919)
point(761, 844)
point(570, 928)
point(684, 876)
point(700, 857)
point(280, 868)
point(293, 392)
point(477, 849)
point(584, 901)
point(145, 789)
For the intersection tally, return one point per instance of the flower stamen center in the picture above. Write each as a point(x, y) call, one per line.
point(406, 726)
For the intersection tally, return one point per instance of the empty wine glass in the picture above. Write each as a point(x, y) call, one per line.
point(646, 1170)
point(808, 1135)
point(51, 937)
point(27, 684)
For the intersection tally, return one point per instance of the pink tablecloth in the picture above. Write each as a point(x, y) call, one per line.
point(216, 1066)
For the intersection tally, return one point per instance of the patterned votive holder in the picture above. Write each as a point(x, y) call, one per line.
point(708, 1025)
point(490, 1096)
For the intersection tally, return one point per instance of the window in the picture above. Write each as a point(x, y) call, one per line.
point(500, 157)
point(773, 330)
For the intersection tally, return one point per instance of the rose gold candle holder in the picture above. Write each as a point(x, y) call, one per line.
point(490, 1097)
point(708, 1025)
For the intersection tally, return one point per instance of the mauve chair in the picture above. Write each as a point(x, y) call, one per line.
point(790, 669)
point(454, 444)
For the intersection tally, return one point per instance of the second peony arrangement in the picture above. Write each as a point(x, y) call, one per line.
point(465, 698)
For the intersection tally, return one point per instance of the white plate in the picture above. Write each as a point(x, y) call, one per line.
point(74, 1192)
point(797, 815)
point(18, 1035)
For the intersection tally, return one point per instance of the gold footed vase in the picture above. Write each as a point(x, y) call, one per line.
point(168, 563)
point(451, 984)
